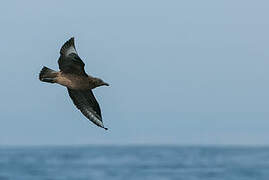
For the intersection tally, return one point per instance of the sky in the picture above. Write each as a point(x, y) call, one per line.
point(181, 72)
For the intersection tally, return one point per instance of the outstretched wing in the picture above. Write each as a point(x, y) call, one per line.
point(87, 104)
point(69, 61)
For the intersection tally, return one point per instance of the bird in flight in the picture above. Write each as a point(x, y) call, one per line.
point(79, 84)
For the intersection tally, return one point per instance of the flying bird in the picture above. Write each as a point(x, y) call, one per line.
point(79, 84)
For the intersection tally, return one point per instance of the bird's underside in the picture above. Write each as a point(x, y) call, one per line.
point(73, 81)
point(79, 85)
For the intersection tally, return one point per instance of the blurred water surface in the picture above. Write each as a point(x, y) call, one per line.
point(134, 163)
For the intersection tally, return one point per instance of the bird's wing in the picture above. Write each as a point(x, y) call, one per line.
point(69, 61)
point(87, 104)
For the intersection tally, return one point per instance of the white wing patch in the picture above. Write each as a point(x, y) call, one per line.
point(70, 50)
point(94, 118)
point(68, 47)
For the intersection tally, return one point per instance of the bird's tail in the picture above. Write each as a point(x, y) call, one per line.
point(47, 75)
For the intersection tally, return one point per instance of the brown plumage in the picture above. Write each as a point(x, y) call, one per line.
point(79, 84)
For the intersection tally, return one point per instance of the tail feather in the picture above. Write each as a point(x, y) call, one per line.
point(47, 75)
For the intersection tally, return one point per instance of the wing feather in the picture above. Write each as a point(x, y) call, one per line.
point(85, 101)
point(69, 61)
point(68, 47)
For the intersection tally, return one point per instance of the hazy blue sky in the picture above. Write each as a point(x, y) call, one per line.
point(181, 72)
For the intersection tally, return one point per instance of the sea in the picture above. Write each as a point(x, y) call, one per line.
point(134, 163)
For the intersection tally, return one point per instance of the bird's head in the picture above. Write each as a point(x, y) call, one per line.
point(99, 82)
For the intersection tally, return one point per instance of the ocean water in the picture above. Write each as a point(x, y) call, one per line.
point(134, 163)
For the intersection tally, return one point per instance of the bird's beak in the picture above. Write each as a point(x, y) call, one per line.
point(105, 84)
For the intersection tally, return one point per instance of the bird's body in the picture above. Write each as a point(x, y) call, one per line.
point(79, 84)
point(74, 81)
